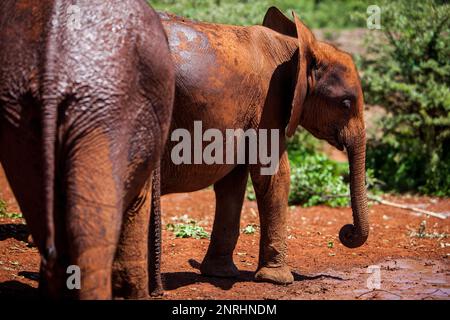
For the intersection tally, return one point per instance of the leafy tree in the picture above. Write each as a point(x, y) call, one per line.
point(407, 71)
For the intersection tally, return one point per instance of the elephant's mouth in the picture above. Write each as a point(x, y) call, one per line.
point(338, 141)
point(337, 144)
point(334, 140)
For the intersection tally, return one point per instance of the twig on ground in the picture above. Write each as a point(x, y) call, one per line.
point(407, 207)
point(379, 290)
point(396, 205)
point(431, 294)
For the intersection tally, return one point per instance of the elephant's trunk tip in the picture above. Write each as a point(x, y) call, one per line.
point(352, 237)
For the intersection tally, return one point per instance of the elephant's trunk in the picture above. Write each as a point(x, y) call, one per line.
point(354, 235)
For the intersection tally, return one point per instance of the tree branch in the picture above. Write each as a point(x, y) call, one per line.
point(407, 207)
point(393, 204)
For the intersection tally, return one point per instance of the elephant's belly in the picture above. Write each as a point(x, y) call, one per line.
point(190, 177)
point(200, 168)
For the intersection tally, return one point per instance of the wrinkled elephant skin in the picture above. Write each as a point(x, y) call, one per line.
point(85, 109)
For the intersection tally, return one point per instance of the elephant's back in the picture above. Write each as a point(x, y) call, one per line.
point(90, 44)
point(216, 77)
point(23, 28)
point(102, 54)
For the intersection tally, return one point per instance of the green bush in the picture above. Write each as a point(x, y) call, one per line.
point(220, 11)
point(316, 14)
point(407, 71)
point(188, 230)
point(315, 179)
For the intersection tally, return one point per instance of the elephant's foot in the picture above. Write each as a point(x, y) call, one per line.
point(276, 275)
point(157, 293)
point(222, 267)
point(130, 280)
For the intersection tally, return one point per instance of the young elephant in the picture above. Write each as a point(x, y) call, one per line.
point(262, 77)
point(86, 95)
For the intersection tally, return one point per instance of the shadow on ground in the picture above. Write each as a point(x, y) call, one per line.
point(175, 280)
point(17, 231)
point(17, 290)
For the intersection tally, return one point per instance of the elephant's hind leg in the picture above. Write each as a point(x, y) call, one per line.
point(230, 192)
point(93, 213)
point(130, 269)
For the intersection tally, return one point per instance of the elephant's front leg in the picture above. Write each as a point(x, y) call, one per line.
point(130, 269)
point(230, 192)
point(272, 193)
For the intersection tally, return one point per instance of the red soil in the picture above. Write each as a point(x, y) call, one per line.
point(411, 267)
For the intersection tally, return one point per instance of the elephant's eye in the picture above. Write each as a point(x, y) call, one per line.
point(346, 103)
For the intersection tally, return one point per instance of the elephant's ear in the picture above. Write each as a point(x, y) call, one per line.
point(277, 21)
point(306, 42)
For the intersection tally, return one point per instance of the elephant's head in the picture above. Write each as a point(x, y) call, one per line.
point(328, 102)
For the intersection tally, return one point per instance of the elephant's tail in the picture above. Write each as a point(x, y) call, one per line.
point(154, 245)
point(49, 118)
point(52, 96)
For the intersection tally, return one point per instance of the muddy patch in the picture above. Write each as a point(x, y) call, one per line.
point(406, 279)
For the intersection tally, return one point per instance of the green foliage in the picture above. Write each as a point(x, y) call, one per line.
point(249, 229)
point(4, 212)
point(250, 192)
point(221, 11)
point(3, 208)
point(407, 71)
point(316, 14)
point(188, 230)
point(315, 179)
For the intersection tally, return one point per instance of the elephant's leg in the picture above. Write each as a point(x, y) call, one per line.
point(93, 212)
point(272, 193)
point(130, 275)
point(230, 192)
point(53, 279)
point(53, 276)
point(93, 246)
point(94, 258)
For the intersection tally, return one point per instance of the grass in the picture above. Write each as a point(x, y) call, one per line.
point(336, 14)
point(5, 213)
point(187, 229)
point(249, 229)
point(421, 233)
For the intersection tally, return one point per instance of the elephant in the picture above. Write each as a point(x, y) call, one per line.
point(86, 97)
point(274, 76)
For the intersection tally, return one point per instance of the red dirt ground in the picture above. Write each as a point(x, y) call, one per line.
point(410, 267)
